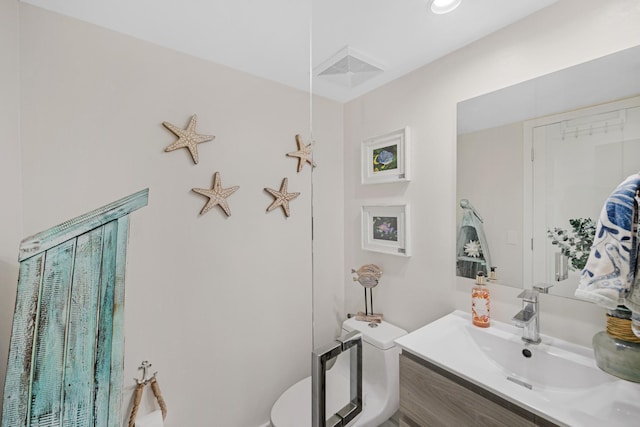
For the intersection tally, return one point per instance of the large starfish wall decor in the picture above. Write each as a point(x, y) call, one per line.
point(303, 154)
point(217, 195)
point(282, 197)
point(187, 138)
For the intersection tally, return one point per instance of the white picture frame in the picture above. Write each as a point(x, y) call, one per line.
point(386, 229)
point(394, 147)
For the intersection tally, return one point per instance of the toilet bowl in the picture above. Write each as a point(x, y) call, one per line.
point(380, 374)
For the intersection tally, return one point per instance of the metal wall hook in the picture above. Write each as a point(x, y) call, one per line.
point(145, 365)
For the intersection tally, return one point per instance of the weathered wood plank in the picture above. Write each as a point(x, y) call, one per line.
point(117, 344)
point(18, 379)
point(67, 349)
point(81, 336)
point(104, 337)
point(46, 388)
point(69, 229)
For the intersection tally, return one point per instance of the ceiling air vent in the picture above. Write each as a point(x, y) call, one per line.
point(347, 68)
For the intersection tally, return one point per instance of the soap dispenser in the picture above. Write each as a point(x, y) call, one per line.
point(480, 298)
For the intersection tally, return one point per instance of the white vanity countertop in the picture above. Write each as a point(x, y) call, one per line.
point(567, 387)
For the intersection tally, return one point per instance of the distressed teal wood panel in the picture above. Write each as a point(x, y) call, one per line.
point(117, 343)
point(69, 308)
point(46, 389)
point(18, 379)
point(81, 334)
point(70, 229)
point(105, 325)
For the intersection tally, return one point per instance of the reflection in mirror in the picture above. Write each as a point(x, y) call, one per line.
point(473, 254)
point(540, 158)
point(579, 158)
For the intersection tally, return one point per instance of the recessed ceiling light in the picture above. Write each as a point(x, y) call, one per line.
point(441, 7)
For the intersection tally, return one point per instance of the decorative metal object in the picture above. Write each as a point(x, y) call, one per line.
point(368, 276)
point(144, 367)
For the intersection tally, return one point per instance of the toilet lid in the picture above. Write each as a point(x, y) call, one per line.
point(293, 408)
point(381, 335)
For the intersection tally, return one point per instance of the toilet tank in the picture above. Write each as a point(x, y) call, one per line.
point(380, 353)
point(380, 335)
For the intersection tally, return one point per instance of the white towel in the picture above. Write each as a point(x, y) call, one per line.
point(153, 419)
point(610, 271)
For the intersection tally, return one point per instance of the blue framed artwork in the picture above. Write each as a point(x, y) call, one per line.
point(385, 158)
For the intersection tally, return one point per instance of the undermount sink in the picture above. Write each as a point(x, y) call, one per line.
point(555, 379)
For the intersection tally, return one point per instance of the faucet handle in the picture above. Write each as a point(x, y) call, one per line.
point(543, 288)
point(529, 295)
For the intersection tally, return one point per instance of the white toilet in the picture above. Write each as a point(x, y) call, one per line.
point(380, 375)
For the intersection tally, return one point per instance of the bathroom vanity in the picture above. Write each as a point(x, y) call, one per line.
point(432, 396)
point(452, 373)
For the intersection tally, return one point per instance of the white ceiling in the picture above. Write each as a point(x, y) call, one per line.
point(273, 38)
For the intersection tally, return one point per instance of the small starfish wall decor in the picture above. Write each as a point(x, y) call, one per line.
point(217, 195)
point(303, 154)
point(187, 138)
point(282, 197)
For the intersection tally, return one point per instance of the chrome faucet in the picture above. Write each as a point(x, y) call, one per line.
point(528, 318)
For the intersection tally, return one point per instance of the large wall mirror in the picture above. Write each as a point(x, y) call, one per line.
point(540, 158)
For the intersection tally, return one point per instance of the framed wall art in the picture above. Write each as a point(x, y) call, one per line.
point(385, 228)
point(385, 158)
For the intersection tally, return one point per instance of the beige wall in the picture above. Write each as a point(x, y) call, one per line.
point(11, 206)
point(417, 290)
point(221, 306)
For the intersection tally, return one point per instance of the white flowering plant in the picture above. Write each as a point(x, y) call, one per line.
point(575, 244)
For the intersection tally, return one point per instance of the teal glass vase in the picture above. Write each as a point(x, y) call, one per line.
point(617, 357)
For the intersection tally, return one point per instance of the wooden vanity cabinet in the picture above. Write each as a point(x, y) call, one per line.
point(431, 397)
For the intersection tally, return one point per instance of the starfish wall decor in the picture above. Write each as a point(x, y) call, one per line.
point(282, 197)
point(217, 195)
point(187, 138)
point(303, 154)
